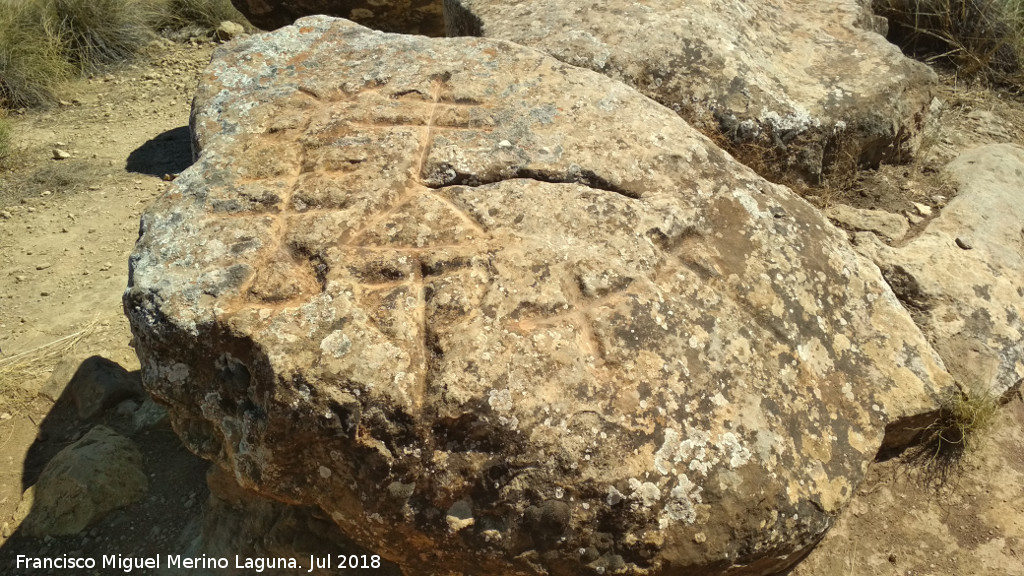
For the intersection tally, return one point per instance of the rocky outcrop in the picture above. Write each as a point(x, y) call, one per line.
point(405, 16)
point(85, 481)
point(963, 277)
point(794, 89)
point(890, 226)
point(496, 314)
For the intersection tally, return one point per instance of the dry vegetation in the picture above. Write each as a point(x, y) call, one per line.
point(982, 39)
point(43, 43)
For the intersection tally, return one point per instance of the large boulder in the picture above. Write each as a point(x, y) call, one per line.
point(794, 89)
point(406, 16)
point(963, 276)
point(496, 314)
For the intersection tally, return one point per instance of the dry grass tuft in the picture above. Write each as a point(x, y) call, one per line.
point(26, 371)
point(44, 43)
point(983, 39)
point(962, 421)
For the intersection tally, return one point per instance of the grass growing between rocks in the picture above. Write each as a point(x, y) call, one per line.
point(981, 38)
point(963, 421)
point(44, 43)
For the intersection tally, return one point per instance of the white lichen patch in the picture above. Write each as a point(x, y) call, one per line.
point(337, 344)
point(682, 503)
point(646, 494)
point(698, 452)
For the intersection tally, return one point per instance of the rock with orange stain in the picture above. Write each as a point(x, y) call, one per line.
point(495, 314)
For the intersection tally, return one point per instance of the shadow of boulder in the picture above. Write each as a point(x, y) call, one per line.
point(106, 474)
point(167, 153)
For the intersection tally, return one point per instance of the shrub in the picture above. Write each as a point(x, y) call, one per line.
point(982, 38)
point(97, 32)
point(44, 43)
point(205, 14)
point(32, 56)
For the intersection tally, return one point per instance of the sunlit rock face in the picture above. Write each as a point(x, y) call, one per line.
point(797, 90)
point(495, 314)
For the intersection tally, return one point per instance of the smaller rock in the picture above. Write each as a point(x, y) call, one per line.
point(149, 415)
point(83, 482)
point(964, 243)
point(891, 226)
point(59, 154)
point(5, 416)
point(43, 265)
point(5, 215)
point(100, 384)
point(922, 209)
point(126, 409)
point(228, 30)
point(94, 384)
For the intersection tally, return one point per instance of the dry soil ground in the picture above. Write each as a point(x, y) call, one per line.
point(67, 227)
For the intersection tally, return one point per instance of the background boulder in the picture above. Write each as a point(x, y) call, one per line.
point(961, 277)
point(794, 89)
point(406, 16)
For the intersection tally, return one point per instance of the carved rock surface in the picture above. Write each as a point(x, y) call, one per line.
point(796, 87)
point(495, 314)
point(405, 16)
point(964, 275)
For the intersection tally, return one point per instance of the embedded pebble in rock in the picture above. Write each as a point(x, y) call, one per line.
point(798, 89)
point(963, 277)
point(495, 314)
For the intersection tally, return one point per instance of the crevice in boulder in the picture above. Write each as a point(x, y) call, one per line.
point(573, 175)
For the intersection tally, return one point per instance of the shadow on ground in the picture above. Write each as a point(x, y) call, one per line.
point(167, 153)
point(107, 479)
point(100, 412)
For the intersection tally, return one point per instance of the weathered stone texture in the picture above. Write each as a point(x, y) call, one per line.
point(793, 88)
point(405, 16)
point(495, 314)
point(963, 277)
point(97, 474)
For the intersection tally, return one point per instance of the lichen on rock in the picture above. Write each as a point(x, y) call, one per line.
point(495, 314)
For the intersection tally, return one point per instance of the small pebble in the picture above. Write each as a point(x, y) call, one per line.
point(59, 154)
point(964, 244)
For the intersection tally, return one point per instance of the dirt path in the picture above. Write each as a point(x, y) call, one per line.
point(67, 228)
